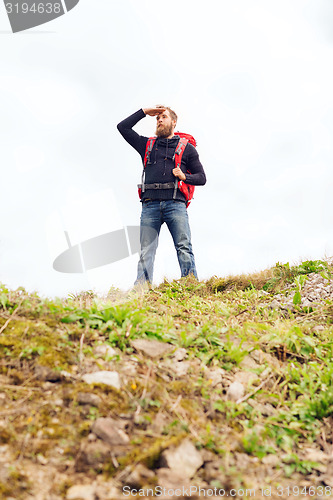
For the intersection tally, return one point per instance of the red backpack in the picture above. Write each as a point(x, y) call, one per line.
point(184, 139)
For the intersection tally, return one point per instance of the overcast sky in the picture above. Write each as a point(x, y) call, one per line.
point(251, 80)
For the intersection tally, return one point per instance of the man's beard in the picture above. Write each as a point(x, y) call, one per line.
point(164, 131)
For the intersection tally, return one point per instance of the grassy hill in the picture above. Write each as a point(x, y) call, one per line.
point(225, 385)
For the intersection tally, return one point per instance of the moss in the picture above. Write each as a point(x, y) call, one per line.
point(15, 485)
point(182, 387)
point(149, 453)
point(6, 435)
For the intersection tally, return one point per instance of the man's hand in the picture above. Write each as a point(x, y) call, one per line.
point(178, 173)
point(153, 111)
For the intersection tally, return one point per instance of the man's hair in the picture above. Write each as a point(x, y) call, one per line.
point(172, 113)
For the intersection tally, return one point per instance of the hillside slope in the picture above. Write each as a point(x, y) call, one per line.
point(224, 385)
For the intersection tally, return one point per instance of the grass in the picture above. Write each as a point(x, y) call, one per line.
point(221, 323)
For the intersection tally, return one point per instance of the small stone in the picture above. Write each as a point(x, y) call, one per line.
point(264, 374)
point(179, 354)
point(92, 455)
point(215, 376)
point(185, 458)
point(103, 377)
point(171, 479)
point(81, 492)
point(105, 350)
point(130, 368)
point(152, 348)
point(246, 378)
point(86, 398)
point(41, 459)
point(214, 471)
point(315, 455)
point(159, 422)
point(59, 402)
point(66, 375)
point(181, 368)
point(45, 374)
point(249, 363)
point(263, 357)
point(236, 391)
point(306, 303)
point(139, 477)
point(207, 455)
point(271, 460)
point(267, 410)
point(109, 431)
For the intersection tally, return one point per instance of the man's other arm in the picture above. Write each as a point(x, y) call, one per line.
point(125, 127)
point(197, 176)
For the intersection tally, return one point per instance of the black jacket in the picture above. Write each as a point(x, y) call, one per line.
point(159, 170)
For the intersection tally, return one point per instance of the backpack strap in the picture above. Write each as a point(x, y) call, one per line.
point(146, 159)
point(178, 159)
point(149, 147)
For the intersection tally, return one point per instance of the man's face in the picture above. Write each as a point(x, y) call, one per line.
point(165, 125)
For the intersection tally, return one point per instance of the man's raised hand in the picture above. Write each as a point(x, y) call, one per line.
point(154, 111)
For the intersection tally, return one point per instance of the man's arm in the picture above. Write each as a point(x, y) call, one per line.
point(197, 176)
point(138, 142)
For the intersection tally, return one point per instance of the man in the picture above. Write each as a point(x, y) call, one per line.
point(160, 204)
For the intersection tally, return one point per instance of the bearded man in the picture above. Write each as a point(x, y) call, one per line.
point(160, 202)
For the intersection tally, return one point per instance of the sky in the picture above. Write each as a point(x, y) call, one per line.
point(251, 80)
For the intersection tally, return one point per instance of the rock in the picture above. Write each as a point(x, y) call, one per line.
point(265, 373)
point(139, 477)
point(69, 376)
point(267, 410)
point(92, 455)
point(108, 491)
point(81, 492)
point(214, 471)
point(86, 398)
point(246, 378)
point(207, 455)
point(263, 357)
point(159, 422)
point(271, 460)
point(171, 479)
point(41, 459)
point(110, 431)
point(306, 303)
point(216, 376)
point(179, 354)
point(248, 363)
point(45, 374)
point(103, 377)
point(244, 461)
point(180, 368)
point(185, 458)
point(152, 348)
point(130, 368)
point(105, 350)
point(236, 391)
point(315, 455)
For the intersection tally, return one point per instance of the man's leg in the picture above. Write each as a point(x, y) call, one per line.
point(176, 217)
point(150, 225)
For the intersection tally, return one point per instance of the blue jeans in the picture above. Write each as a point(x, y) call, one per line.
point(174, 214)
